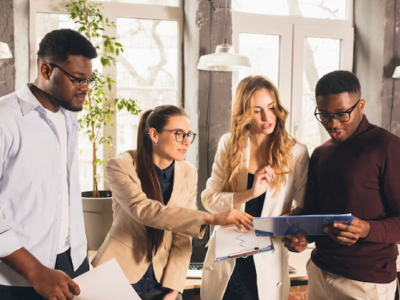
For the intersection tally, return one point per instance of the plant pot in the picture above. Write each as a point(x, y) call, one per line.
point(98, 216)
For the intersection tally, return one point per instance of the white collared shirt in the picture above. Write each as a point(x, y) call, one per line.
point(58, 120)
point(31, 184)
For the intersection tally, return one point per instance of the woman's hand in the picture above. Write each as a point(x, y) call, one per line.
point(261, 180)
point(233, 217)
point(171, 295)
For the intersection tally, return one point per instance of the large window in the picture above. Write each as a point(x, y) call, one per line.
point(148, 70)
point(322, 9)
point(294, 43)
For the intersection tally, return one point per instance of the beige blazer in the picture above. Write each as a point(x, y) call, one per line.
point(132, 211)
point(271, 267)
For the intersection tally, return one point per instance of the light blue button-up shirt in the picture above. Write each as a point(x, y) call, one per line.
point(30, 184)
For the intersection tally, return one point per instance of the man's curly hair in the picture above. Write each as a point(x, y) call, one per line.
point(337, 82)
point(57, 45)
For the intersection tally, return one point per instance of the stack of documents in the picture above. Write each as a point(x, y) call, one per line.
point(298, 225)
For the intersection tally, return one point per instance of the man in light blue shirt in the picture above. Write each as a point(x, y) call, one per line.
point(42, 235)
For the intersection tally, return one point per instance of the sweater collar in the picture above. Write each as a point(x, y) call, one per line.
point(362, 127)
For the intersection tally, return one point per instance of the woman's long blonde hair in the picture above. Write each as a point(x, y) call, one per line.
point(279, 151)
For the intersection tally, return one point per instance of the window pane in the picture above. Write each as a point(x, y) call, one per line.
point(263, 51)
point(147, 70)
point(322, 9)
point(150, 2)
point(321, 56)
point(46, 22)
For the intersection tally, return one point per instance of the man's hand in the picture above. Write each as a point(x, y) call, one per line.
point(348, 234)
point(171, 295)
point(50, 284)
point(296, 243)
point(232, 217)
point(54, 284)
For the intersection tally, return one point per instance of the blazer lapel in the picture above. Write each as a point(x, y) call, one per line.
point(244, 167)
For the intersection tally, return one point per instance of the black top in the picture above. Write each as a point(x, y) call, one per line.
point(359, 176)
point(242, 284)
point(166, 179)
point(254, 206)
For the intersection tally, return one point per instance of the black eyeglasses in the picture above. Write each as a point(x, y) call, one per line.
point(341, 117)
point(79, 83)
point(180, 135)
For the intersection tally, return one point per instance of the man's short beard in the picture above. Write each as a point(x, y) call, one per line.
point(60, 100)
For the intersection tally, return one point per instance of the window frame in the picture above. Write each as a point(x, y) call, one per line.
point(112, 11)
point(293, 30)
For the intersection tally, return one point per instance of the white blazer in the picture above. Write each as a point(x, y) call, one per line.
point(271, 267)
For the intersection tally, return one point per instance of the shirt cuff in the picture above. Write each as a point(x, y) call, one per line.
point(375, 232)
point(9, 243)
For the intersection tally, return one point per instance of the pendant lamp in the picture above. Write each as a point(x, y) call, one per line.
point(5, 52)
point(396, 73)
point(224, 58)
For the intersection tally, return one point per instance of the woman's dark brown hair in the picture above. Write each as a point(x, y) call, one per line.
point(157, 119)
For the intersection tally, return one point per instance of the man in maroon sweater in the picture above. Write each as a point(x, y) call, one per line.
point(357, 171)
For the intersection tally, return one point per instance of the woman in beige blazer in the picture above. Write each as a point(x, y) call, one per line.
point(247, 174)
point(154, 194)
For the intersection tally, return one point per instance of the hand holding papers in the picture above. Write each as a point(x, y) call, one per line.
point(230, 243)
point(105, 282)
point(298, 225)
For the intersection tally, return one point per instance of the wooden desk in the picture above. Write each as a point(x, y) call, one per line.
point(296, 260)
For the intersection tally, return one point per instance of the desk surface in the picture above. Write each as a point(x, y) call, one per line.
point(296, 260)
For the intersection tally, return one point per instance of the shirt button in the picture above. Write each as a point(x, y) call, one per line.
point(279, 284)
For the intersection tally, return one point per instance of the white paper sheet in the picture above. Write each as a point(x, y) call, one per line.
point(230, 241)
point(106, 282)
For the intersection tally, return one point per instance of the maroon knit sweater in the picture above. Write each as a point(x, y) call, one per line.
point(360, 176)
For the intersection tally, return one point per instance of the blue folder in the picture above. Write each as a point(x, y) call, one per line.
point(298, 225)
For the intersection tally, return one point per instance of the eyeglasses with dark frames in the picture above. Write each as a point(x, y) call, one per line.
point(341, 117)
point(79, 83)
point(180, 135)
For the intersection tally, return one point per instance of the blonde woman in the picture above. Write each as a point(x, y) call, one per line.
point(262, 170)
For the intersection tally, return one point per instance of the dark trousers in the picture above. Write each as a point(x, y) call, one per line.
point(63, 263)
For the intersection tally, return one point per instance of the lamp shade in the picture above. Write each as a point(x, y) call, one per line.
point(5, 52)
point(224, 59)
point(396, 73)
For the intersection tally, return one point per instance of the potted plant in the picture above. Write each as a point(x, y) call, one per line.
point(98, 110)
